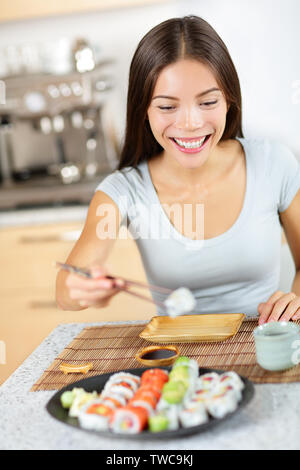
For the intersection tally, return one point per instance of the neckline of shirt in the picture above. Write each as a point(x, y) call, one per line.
point(194, 244)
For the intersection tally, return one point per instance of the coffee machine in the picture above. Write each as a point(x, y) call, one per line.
point(55, 144)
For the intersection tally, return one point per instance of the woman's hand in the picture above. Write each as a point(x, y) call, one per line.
point(93, 292)
point(279, 306)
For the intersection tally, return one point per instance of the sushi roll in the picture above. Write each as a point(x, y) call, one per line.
point(173, 392)
point(180, 301)
point(158, 422)
point(190, 363)
point(154, 376)
point(233, 379)
point(129, 420)
point(143, 403)
point(207, 381)
point(193, 415)
point(95, 416)
point(199, 396)
point(121, 388)
point(132, 380)
point(164, 420)
point(148, 390)
point(114, 400)
point(220, 404)
point(236, 393)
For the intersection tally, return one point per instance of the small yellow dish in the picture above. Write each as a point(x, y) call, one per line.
point(192, 328)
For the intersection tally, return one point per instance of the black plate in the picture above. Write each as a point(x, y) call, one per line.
point(97, 383)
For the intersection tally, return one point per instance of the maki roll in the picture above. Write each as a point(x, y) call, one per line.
point(164, 420)
point(173, 392)
point(95, 416)
point(190, 363)
point(145, 401)
point(158, 422)
point(233, 379)
point(129, 420)
point(154, 376)
point(133, 381)
point(207, 381)
point(114, 400)
point(220, 404)
point(121, 388)
point(193, 415)
point(199, 396)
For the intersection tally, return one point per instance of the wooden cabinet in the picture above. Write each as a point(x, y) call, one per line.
point(19, 9)
point(27, 287)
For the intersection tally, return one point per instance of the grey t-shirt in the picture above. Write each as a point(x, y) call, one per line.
point(232, 272)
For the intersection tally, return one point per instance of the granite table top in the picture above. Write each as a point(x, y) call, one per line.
point(270, 421)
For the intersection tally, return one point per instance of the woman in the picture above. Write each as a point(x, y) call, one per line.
point(205, 205)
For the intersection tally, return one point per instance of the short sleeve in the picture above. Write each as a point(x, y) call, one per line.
point(285, 172)
point(117, 187)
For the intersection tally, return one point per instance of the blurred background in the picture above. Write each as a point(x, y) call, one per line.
point(63, 83)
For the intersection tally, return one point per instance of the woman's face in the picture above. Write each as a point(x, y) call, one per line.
point(187, 113)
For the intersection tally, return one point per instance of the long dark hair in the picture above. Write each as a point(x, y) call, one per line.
point(174, 39)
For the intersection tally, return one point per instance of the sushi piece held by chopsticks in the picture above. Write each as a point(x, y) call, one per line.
point(179, 302)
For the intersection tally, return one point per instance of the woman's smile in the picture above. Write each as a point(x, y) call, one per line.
point(190, 145)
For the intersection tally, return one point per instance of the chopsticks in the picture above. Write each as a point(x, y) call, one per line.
point(86, 273)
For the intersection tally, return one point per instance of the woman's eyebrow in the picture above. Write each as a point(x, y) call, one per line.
point(197, 96)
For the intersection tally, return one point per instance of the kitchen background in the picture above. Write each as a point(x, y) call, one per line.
point(64, 71)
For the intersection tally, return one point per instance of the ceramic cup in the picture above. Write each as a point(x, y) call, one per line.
point(277, 345)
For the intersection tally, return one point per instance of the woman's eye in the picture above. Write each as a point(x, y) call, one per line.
point(209, 103)
point(166, 108)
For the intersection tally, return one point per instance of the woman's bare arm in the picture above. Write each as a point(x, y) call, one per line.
point(91, 251)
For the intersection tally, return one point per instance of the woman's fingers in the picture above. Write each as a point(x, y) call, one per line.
point(74, 281)
point(77, 294)
point(292, 311)
point(280, 306)
point(93, 291)
point(265, 308)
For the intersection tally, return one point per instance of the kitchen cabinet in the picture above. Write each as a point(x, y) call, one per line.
point(27, 287)
point(18, 9)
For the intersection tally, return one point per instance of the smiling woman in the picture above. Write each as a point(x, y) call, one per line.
point(205, 205)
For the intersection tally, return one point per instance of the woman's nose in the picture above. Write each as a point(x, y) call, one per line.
point(189, 118)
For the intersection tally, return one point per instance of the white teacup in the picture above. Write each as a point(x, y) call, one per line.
point(277, 345)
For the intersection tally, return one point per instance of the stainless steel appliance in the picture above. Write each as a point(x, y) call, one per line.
point(54, 145)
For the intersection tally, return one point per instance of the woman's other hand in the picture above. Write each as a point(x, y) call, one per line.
point(279, 307)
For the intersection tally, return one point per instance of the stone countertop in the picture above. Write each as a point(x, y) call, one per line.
point(270, 421)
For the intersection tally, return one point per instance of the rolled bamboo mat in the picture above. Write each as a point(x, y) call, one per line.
point(112, 348)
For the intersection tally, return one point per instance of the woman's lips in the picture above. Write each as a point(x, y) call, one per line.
point(191, 149)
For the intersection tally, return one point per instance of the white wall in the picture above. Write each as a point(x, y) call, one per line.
point(263, 38)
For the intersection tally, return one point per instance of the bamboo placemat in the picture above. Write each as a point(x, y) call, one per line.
point(112, 348)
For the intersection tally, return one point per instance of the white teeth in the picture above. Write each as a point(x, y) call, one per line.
point(193, 145)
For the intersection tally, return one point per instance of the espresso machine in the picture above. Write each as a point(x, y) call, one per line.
point(55, 145)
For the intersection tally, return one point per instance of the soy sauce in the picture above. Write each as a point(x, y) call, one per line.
point(159, 354)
